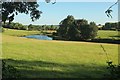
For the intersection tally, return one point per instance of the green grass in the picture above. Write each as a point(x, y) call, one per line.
point(19, 33)
point(106, 34)
point(56, 59)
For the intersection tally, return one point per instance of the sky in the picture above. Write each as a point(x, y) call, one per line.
point(54, 13)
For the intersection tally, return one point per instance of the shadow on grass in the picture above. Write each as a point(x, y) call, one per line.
point(111, 40)
point(104, 40)
point(43, 69)
point(117, 36)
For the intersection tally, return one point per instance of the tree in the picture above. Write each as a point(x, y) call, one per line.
point(78, 24)
point(87, 31)
point(111, 26)
point(52, 27)
point(72, 29)
point(92, 32)
point(30, 27)
point(109, 10)
point(10, 9)
point(81, 22)
point(73, 33)
point(65, 25)
point(48, 1)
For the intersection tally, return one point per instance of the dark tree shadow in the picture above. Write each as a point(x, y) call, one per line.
point(116, 36)
point(106, 40)
point(43, 69)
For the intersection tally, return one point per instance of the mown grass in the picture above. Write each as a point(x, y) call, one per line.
point(56, 59)
point(106, 34)
point(101, 33)
point(19, 33)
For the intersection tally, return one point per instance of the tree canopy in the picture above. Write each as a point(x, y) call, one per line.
point(72, 29)
point(10, 9)
point(111, 26)
point(65, 25)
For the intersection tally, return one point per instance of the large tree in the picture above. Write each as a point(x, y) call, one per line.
point(10, 9)
point(110, 26)
point(65, 25)
point(88, 31)
point(72, 29)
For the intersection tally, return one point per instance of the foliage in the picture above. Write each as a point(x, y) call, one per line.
point(10, 9)
point(72, 29)
point(88, 31)
point(9, 71)
point(15, 26)
point(73, 33)
point(114, 70)
point(42, 27)
point(65, 25)
point(109, 10)
point(48, 1)
point(110, 26)
point(30, 27)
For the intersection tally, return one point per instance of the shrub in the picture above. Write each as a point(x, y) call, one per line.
point(114, 71)
point(15, 26)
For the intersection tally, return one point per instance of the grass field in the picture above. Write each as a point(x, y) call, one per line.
point(56, 59)
point(108, 34)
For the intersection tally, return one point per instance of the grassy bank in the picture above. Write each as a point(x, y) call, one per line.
point(50, 59)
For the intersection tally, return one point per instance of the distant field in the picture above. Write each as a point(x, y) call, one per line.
point(19, 33)
point(108, 34)
point(56, 59)
point(101, 33)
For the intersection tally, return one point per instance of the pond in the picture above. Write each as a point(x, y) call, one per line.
point(40, 37)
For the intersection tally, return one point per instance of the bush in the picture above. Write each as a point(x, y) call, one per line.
point(54, 34)
point(15, 26)
point(114, 71)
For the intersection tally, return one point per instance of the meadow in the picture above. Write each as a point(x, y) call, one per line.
point(57, 59)
point(107, 34)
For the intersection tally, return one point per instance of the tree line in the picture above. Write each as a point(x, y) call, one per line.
point(42, 27)
point(30, 27)
point(111, 26)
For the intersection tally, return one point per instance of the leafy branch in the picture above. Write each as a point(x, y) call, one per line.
point(48, 1)
point(109, 10)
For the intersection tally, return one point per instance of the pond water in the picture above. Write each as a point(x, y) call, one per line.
point(40, 37)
